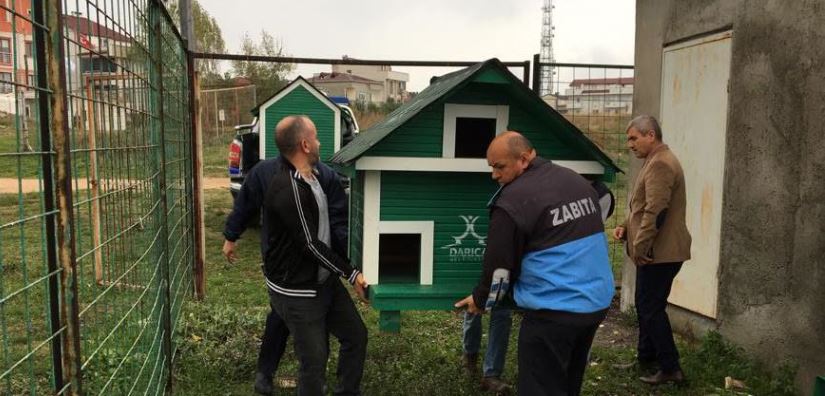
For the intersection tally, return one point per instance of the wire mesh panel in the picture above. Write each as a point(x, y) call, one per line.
point(598, 99)
point(90, 291)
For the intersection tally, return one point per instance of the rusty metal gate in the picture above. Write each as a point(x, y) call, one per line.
point(96, 208)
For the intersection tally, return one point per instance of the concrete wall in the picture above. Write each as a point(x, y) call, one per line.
point(772, 259)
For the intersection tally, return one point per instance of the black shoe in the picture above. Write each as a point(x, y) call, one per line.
point(496, 385)
point(676, 377)
point(469, 362)
point(263, 384)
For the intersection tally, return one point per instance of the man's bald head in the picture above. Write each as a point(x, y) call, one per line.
point(513, 142)
point(509, 154)
point(289, 133)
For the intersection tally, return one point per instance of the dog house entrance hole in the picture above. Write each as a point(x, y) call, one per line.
point(399, 258)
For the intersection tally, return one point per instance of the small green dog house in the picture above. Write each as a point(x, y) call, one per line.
point(300, 97)
point(420, 184)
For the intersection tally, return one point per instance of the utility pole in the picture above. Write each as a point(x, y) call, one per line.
point(547, 29)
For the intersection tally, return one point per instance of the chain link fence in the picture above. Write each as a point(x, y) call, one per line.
point(221, 109)
point(598, 99)
point(96, 213)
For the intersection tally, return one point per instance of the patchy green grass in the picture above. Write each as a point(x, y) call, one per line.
point(118, 323)
point(216, 154)
point(218, 342)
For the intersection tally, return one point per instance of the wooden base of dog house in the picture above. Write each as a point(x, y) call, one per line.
point(390, 299)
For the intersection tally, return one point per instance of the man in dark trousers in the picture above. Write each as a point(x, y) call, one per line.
point(248, 204)
point(658, 242)
point(302, 269)
point(546, 229)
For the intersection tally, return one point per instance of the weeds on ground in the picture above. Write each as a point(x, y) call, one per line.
point(218, 342)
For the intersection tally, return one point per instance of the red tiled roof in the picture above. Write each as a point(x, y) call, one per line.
point(88, 27)
point(602, 81)
point(340, 77)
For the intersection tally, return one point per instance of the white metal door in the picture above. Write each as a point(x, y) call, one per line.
point(694, 123)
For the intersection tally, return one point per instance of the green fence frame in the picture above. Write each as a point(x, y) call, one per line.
point(97, 222)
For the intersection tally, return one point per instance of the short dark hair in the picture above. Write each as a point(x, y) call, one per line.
point(289, 132)
point(518, 144)
point(645, 123)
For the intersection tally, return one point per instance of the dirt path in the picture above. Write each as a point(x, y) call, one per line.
point(13, 185)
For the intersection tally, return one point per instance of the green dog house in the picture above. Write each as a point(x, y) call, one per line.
point(420, 184)
point(300, 97)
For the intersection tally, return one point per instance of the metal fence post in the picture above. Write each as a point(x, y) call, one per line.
point(67, 256)
point(156, 52)
point(48, 189)
point(536, 73)
point(527, 73)
point(197, 181)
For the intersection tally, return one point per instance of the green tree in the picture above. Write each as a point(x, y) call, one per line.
point(268, 77)
point(208, 38)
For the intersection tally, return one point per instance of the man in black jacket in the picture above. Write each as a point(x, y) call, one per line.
point(249, 203)
point(302, 269)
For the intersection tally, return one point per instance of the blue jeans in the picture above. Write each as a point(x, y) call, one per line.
point(501, 321)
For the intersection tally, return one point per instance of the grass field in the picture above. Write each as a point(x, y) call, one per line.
point(219, 338)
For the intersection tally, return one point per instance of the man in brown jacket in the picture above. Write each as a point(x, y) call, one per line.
point(658, 242)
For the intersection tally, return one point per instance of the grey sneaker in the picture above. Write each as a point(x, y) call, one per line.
point(263, 384)
point(469, 362)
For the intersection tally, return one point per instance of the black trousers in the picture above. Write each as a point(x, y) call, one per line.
point(552, 352)
point(311, 320)
point(273, 342)
point(653, 283)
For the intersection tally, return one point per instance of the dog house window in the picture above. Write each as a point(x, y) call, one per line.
point(399, 258)
point(473, 135)
point(469, 129)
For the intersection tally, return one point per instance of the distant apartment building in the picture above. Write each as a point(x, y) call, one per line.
point(97, 59)
point(353, 87)
point(93, 53)
point(599, 96)
point(393, 83)
point(16, 55)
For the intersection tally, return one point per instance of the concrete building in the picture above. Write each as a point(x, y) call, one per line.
point(16, 55)
point(394, 83)
point(599, 96)
point(355, 88)
point(97, 55)
point(739, 87)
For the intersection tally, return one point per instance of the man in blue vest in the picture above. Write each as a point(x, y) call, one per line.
point(546, 229)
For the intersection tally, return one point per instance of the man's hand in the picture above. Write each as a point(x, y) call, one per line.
point(618, 233)
point(360, 286)
point(229, 251)
point(469, 304)
point(642, 260)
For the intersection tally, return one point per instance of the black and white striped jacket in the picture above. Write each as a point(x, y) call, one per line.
point(294, 254)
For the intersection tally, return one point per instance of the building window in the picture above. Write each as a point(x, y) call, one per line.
point(5, 50)
point(473, 135)
point(399, 258)
point(30, 80)
point(28, 48)
point(5, 87)
point(97, 65)
point(468, 129)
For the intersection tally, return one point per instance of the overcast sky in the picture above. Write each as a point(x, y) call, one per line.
point(587, 31)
